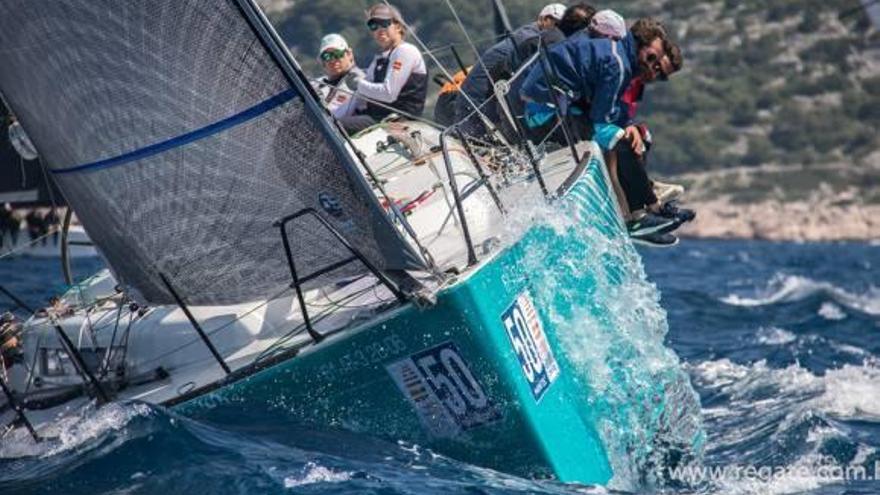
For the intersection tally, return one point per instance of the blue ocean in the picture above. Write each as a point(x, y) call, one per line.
point(780, 340)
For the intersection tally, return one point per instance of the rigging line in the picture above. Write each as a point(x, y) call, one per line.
point(446, 73)
point(18, 249)
point(449, 46)
point(106, 367)
point(31, 370)
point(470, 42)
point(221, 327)
point(299, 329)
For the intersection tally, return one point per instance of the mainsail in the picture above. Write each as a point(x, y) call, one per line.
point(176, 135)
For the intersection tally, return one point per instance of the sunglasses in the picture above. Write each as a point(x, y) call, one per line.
point(653, 60)
point(376, 24)
point(331, 55)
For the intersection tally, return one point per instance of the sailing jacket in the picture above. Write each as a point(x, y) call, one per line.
point(501, 61)
point(594, 69)
point(337, 95)
point(398, 78)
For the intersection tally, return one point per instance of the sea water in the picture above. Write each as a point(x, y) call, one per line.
point(781, 342)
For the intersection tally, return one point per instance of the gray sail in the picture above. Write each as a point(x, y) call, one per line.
point(178, 140)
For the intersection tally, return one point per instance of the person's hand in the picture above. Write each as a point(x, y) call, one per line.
point(635, 138)
point(352, 79)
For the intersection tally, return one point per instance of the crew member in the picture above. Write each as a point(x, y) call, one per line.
point(599, 70)
point(500, 62)
point(337, 60)
point(396, 80)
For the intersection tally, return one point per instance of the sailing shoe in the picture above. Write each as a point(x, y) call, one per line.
point(682, 215)
point(667, 192)
point(650, 223)
point(656, 239)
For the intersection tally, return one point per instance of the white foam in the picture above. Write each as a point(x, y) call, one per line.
point(73, 431)
point(791, 288)
point(831, 311)
point(763, 400)
point(775, 336)
point(314, 473)
point(794, 392)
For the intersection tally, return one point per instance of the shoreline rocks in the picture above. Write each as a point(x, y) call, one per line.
point(783, 221)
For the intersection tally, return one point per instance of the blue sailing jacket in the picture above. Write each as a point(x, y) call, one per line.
point(595, 69)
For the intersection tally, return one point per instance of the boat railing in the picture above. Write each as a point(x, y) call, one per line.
point(298, 280)
point(523, 144)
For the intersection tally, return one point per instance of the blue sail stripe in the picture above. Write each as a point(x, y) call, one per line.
point(184, 139)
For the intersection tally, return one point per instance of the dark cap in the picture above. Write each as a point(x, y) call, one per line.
point(384, 11)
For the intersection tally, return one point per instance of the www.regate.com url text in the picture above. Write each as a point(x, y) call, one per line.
point(821, 471)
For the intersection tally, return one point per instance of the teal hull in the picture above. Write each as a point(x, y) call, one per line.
point(499, 373)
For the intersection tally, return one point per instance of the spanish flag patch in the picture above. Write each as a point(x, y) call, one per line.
point(397, 65)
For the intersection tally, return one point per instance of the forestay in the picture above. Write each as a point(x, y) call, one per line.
point(178, 140)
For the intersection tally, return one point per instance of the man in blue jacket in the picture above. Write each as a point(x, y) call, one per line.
point(590, 75)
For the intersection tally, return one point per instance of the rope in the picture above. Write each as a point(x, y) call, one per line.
point(470, 42)
point(18, 249)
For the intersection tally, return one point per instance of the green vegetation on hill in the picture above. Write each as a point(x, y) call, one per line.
point(788, 82)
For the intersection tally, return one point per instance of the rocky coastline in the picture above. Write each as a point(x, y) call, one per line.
point(801, 221)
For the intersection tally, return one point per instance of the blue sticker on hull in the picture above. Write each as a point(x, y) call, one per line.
point(526, 333)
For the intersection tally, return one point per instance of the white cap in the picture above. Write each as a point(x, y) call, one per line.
point(333, 42)
point(608, 23)
point(554, 10)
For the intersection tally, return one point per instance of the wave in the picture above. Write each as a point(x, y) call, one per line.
point(775, 336)
point(72, 432)
point(751, 410)
point(314, 473)
point(848, 392)
point(139, 448)
point(793, 288)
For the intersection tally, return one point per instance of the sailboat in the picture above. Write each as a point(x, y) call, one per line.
point(405, 283)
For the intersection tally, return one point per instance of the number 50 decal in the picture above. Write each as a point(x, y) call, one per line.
point(444, 391)
point(526, 333)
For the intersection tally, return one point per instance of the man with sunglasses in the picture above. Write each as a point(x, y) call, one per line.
point(339, 66)
point(397, 78)
point(598, 71)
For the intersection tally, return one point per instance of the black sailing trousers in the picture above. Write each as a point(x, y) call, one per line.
point(633, 177)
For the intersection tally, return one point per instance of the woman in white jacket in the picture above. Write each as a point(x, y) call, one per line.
point(396, 80)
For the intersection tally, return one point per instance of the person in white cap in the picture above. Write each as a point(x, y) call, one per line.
point(550, 15)
point(608, 24)
point(335, 90)
point(397, 78)
point(500, 62)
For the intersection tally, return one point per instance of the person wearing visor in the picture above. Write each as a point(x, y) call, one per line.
point(397, 78)
point(334, 89)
